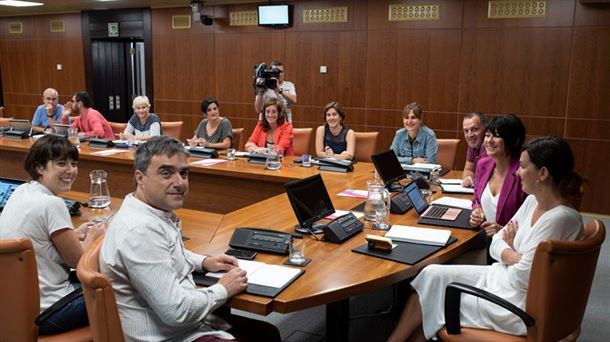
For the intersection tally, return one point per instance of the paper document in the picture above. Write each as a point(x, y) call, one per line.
point(109, 152)
point(426, 236)
point(450, 181)
point(339, 213)
point(209, 162)
point(454, 202)
point(354, 193)
point(457, 189)
point(259, 273)
point(241, 153)
point(421, 167)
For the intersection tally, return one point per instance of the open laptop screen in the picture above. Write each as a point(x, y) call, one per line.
point(416, 197)
point(387, 165)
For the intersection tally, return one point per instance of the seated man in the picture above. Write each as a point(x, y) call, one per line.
point(90, 122)
point(48, 113)
point(474, 125)
point(148, 266)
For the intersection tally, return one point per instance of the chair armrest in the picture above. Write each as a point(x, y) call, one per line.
point(452, 305)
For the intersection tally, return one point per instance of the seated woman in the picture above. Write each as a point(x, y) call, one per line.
point(213, 131)
point(143, 124)
point(35, 211)
point(334, 140)
point(497, 189)
point(546, 168)
point(415, 143)
point(272, 131)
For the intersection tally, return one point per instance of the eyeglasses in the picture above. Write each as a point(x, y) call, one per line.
point(51, 98)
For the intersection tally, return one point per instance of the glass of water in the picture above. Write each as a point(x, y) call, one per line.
point(306, 160)
point(231, 154)
point(274, 161)
point(297, 251)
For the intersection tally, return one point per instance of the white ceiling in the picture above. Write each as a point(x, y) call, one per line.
point(71, 6)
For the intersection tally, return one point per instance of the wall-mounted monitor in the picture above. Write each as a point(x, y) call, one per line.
point(274, 15)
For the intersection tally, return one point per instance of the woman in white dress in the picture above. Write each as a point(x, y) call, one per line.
point(549, 213)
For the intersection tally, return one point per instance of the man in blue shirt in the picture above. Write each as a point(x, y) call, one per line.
point(47, 113)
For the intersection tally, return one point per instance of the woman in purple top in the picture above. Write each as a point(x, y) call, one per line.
point(497, 189)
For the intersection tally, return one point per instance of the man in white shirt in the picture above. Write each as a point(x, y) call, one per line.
point(285, 91)
point(144, 257)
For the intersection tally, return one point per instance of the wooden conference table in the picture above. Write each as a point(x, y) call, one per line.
point(335, 273)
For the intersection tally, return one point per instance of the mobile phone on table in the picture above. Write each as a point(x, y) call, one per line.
point(241, 253)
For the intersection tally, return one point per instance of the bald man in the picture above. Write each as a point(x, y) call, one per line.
point(49, 112)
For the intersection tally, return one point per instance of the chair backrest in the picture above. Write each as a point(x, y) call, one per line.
point(5, 122)
point(101, 304)
point(301, 138)
point(2, 112)
point(560, 282)
point(117, 127)
point(447, 149)
point(238, 139)
point(172, 128)
point(366, 144)
point(19, 292)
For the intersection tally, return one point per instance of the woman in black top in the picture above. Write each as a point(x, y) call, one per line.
point(333, 139)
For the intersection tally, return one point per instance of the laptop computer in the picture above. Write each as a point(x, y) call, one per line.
point(20, 128)
point(60, 129)
point(437, 215)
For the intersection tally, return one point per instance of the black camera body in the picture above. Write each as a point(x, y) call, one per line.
point(269, 76)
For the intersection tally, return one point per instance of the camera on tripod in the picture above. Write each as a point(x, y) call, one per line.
point(265, 77)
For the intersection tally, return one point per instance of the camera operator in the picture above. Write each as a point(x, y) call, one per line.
point(284, 91)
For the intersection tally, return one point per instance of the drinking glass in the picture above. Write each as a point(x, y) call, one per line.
point(73, 136)
point(297, 251)
point(306, 160)
point(273, 161)
point(231, 154)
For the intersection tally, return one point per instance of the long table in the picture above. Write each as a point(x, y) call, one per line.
point(221, 188)
point(335, 273)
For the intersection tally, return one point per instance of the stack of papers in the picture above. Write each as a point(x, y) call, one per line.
point(426, 236)
point(354, 193)
point(209, 162)
point(262, 274)
point(456, 188)
point(454, 202)
point(450, 181)
point(421, 167)
point(339, 213)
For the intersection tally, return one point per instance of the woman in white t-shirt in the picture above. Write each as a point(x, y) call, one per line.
point(35, 211)
point(546, 169)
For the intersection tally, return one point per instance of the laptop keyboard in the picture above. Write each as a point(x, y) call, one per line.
point(436, 212)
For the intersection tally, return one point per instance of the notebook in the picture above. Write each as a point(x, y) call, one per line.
point(426, 236)
point(437, 215)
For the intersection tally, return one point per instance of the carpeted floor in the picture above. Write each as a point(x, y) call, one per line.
point(368, 323)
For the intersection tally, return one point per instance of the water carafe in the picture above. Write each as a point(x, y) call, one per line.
point(274, 159)
point(99, 196)
point(377, 206)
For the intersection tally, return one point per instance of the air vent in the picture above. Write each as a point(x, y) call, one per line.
point(57, 26)
point(15, 27)
point(400, 12)
point(502, 9)
point(243, 18)
point(328, 15)
point(181, 22)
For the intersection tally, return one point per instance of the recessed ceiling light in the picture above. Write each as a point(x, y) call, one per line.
point(16, 3)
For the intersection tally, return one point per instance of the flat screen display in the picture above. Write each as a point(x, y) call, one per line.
point(309, 199)
point(273, 15)
point(387, 165)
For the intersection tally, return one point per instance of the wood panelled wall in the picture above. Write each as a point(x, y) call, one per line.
point(554, 72)
point(29, 61)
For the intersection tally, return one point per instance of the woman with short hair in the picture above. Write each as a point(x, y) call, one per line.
point(333, 139)
point(143, 124)
point(415, 142)
point(35, 211)
point(213, 131)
